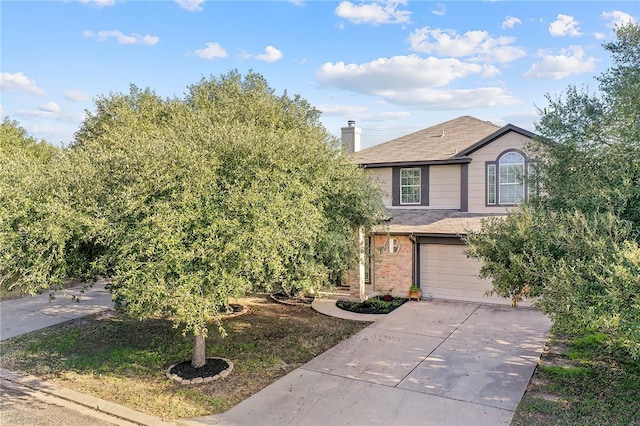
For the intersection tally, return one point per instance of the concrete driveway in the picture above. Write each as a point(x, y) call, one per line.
point(27, 314)
point(429, 362)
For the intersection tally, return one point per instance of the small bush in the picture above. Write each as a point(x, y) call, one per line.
point(375, 305)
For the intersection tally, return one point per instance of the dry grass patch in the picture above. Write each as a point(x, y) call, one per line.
point(124, 361)
point(581, 380)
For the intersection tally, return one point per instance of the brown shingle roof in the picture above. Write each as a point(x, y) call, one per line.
point(436, 143)
point(427, 221)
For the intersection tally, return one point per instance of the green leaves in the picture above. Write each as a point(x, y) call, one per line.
point(229, 190)
point(575, 247)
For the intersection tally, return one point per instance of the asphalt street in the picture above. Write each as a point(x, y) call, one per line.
point(20, 405)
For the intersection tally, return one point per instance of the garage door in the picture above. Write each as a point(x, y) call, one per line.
point(447, 273)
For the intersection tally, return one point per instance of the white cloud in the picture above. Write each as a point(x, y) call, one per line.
point(50, 107)
point(122, 38)
point(414, 82)
point(510, 22)
point(362, 112)
point(617, 18)
point(599, 36)
point(398, 73)
point(19, 82)
point(271, 54)
point(476, 45)
point(568, 62)
point(212, 50)
point(564, 25)
point(2, 112)
point(434, 100)
point(98, 3)
point(297, 2)
point(376, 13)
point(191, 5)
point(74, 95)
point(439, 10)
point(58, 115)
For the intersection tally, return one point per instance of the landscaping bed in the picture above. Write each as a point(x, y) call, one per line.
point(374, 305)
point(125, 361)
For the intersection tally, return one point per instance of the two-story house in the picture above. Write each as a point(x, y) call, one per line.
point(438, 184)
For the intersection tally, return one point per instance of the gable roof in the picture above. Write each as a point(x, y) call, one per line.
point(440, 143)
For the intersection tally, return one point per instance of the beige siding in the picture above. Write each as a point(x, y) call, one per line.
point(477, 177)
point(447, 273)
point(444, 187)
point(383, 177)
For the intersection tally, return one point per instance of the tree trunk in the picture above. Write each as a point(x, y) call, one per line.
point(199, 357)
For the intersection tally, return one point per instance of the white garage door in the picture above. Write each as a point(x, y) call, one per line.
point(447, 273)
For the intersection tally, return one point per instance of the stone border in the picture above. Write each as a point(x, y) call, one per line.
point(199, 380)
point(244, 310)
point(286, 302)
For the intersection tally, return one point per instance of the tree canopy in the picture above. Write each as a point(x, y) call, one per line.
point(194, 200)
point(36, 223)
point(575, 246)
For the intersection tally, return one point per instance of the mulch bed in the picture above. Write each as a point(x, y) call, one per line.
point(291, 300)
point(213, 369)
point(375, 305)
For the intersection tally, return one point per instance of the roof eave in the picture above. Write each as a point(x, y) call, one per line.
point(456, 160)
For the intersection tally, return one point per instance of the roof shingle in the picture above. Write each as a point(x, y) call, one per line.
point(436, 143)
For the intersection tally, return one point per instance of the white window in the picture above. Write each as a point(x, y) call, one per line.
point(511, 169)
point(410, 186)
point(491, 184)
point(507, 179)
point(392, 246)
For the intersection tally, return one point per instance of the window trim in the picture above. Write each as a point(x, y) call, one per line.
point(496, 167)
point(388, 246)
point(419, 186)
point(396, 183)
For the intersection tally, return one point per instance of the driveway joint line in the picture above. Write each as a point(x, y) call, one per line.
point(437, 346)
point(355, 379)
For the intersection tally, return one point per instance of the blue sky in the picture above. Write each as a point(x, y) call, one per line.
point(393, 66)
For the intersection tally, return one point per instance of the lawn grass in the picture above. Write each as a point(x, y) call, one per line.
point(582, 380)
point(124, 361)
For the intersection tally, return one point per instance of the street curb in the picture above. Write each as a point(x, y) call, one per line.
point(88, 401)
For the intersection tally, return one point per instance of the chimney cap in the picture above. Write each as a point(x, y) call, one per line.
point(351, 123)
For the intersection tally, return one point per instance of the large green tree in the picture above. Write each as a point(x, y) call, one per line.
point(574, 247)
point(200, 199)
point(39, 232)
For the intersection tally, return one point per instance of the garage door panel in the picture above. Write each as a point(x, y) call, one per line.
point(446, 272)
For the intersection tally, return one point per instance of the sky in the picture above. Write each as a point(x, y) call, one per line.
point(394, 67)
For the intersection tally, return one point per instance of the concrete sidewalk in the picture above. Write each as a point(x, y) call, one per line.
point(27, 314)
point(432, 362)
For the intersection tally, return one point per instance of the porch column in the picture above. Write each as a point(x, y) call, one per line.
point(361, 264)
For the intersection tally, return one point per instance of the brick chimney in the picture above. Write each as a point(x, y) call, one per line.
point(351, 137)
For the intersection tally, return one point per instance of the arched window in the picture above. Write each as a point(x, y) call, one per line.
point(506, 179)
point(511, 167)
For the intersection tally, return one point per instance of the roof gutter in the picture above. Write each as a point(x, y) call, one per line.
point(457, 160)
